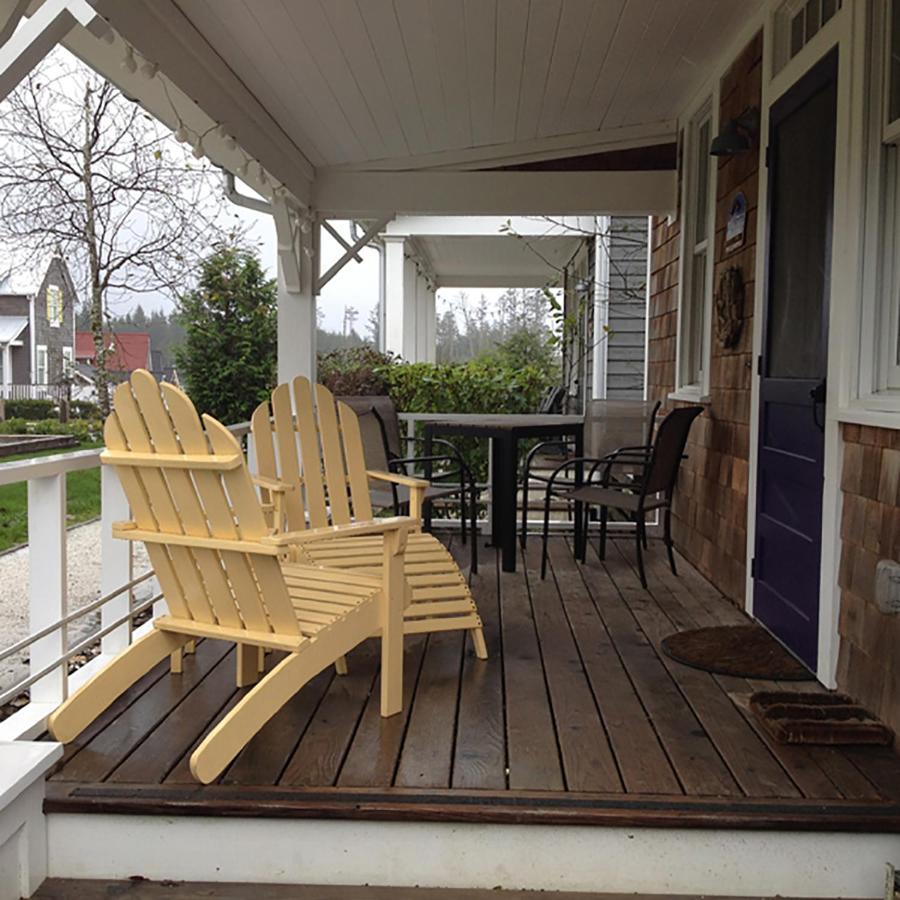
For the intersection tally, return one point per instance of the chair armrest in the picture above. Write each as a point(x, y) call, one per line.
point(397, 478)
point(329, 532)
point(417, 488)
point(273, 484)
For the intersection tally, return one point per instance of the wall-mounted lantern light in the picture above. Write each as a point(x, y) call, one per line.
point(738, 135)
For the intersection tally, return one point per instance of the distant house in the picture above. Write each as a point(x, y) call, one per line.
point(37, 335)
point(126, 351)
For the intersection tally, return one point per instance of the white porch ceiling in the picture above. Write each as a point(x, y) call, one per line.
point(356, 81)
point(481, 261)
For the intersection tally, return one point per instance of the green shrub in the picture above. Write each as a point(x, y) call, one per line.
point(83, 429)
point(33, 410)
point(355, 371)
point(84, 409)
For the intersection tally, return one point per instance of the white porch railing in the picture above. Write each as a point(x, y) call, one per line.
point(48, 680)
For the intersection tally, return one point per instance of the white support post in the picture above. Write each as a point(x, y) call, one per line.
point(430, 325)
point(115, 562)
point(296, 298)
point(394, 300)
point(600, 337)
point(410, 309)
point(422, 297)
point(47, 582)
point(7, 371)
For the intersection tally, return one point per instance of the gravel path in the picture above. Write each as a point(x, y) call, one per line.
point(83, 558)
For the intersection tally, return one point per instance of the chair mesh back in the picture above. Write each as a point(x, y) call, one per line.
point(373, 440)
point(611, 424)
point(387, 411)
point(671, 438)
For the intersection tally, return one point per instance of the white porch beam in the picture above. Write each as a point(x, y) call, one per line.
point(341, 195)
point(514, 280)
point(162, 33)
point(371, 232)
point(491, 226)
point(25, 47)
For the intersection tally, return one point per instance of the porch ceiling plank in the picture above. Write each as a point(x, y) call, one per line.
point(263, 760)
point(630, 32)
point(414, 18)
point(373, 755)
point(324, 49)
point(598, 38)
point(321, 751)
point(279, 34)
point(479, 757)
point(426, 759)
point(449, 20)
point(543, 23)
point(481, 67)
point(344, 194)
point(694, 757)
point(588, 760)
point(640, 756)
point(350, 29)
point(381, 24)
point(751, 764)
point(568, 47)
point(654, 57)
point(532, 749)
point(512, 24)
point(163, 33)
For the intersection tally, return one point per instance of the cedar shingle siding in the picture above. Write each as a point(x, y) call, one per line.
point(710, 512)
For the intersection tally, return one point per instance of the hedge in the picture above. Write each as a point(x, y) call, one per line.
point(32, 410)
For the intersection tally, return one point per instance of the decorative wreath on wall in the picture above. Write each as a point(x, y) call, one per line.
point(730, 306)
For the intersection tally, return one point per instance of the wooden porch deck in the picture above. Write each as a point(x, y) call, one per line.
point(576, 717)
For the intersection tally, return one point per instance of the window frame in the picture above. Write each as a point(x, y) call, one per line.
point(39, 351)
point(686, 388)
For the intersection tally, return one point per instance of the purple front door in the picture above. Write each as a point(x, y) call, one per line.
point(793, 365)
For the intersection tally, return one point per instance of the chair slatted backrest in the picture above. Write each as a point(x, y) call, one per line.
point(307, 440)
point(612, 424)
point(197, 486)
point(668, 449)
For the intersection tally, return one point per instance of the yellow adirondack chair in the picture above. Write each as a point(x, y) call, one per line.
point(322, 478)
point(224, 576)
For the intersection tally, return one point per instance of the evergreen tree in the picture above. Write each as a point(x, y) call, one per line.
point(228, 361)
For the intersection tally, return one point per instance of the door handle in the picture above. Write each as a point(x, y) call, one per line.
point(818, 396)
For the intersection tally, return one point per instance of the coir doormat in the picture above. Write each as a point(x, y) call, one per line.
point(747, 651)
point(802, 718)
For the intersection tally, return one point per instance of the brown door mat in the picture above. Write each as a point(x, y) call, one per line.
point(799, 718)
point(747, 651)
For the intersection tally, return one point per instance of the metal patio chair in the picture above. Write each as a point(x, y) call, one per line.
point(655, 470)
point(226, 577)
point(386, 448)
point(609, 425)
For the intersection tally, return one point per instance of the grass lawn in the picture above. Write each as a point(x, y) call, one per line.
point(82, 498)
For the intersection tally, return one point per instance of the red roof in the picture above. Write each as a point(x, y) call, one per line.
point(130, 350)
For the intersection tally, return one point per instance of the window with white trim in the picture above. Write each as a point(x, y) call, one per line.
point(68, 355)
point(40, 364)
point(698, 239)
point(797, 22)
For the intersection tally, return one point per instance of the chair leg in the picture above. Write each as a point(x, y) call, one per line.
point(639, 543)
point(474, 530)
point(247, 665)
point(604, 518)
point(463, 514)
point(340, 665)
point(96, 694)
point(667, 536)
point(644, 532)
point(478, 641)
point(546, 534)
point(523, 537)
point(586, 519)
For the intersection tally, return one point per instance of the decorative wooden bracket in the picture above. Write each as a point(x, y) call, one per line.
point(352, 250)
point(287, 232)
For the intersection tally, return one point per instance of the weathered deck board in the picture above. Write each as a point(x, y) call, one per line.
point(575, 702)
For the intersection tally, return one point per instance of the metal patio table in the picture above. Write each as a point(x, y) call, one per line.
point(506, 431)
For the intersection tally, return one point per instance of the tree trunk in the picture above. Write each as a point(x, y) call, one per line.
point(96, 305)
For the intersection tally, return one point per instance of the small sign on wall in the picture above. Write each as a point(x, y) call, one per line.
point(736, 229)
